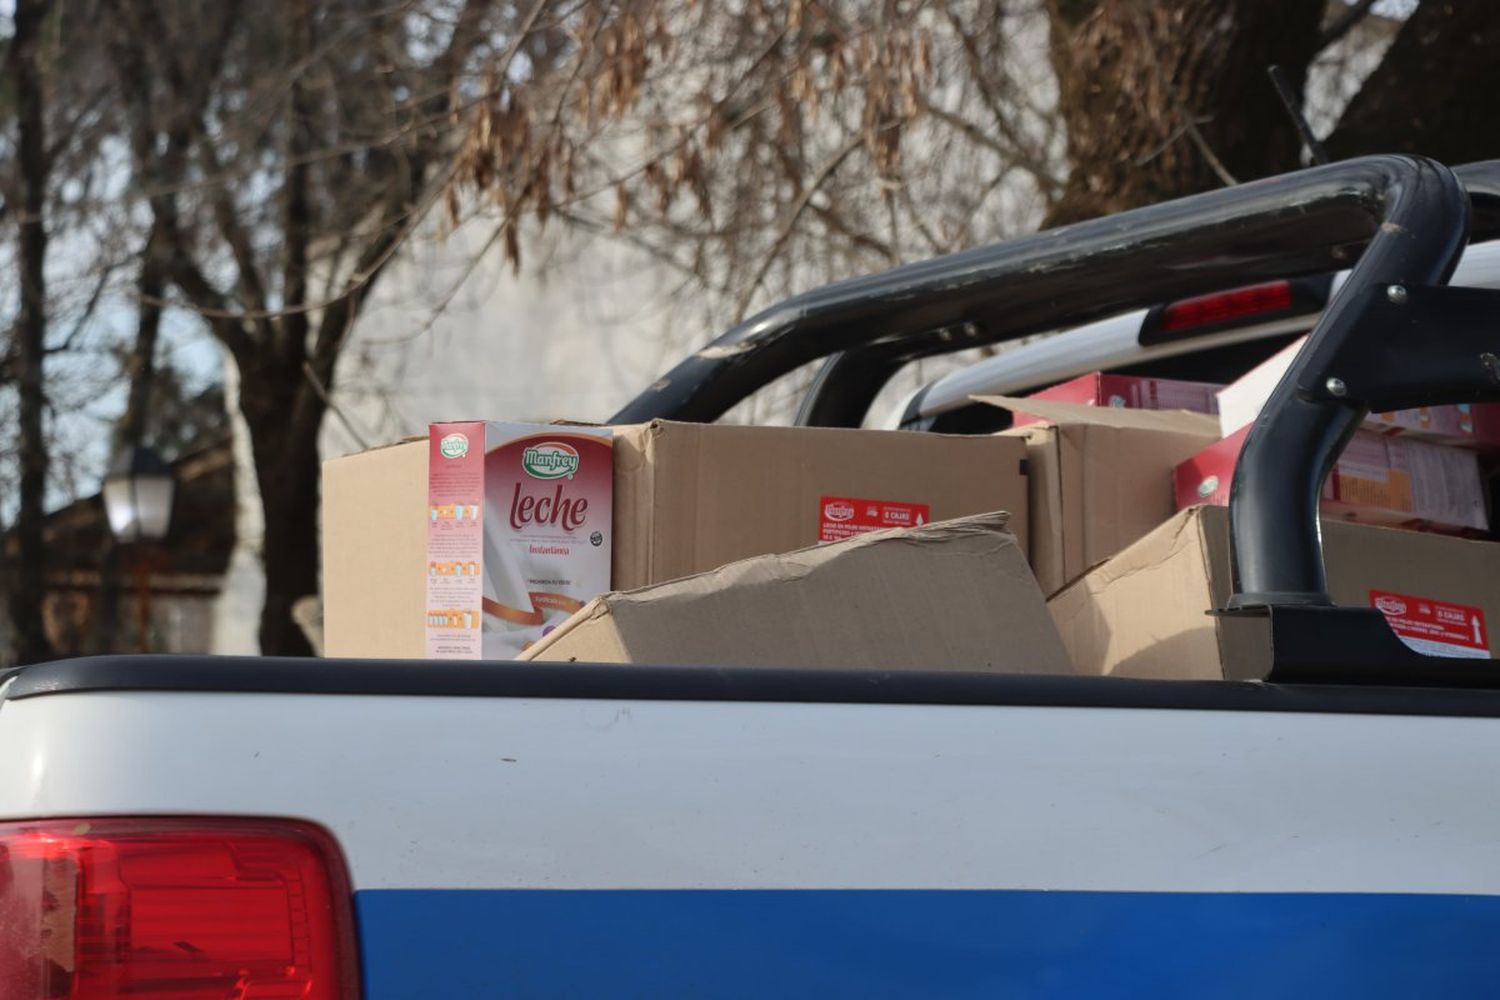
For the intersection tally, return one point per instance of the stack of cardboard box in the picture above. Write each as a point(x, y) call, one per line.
point(714, 545)
point(1414, 468)
point(518, 517)
point(1143, 612)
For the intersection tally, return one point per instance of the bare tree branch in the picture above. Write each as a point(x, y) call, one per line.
point(209, 301)
point(289, 336)
point(251, 288)
point(818, 179)
point(82, 320)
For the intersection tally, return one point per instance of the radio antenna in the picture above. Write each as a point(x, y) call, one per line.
point(1289, 102)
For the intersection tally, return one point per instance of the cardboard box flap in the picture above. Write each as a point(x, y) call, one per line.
point(757, 572)
point(590, 636)
point(1144, 613)
point(1169, 537)
point(953, 595)
point(1116, 417)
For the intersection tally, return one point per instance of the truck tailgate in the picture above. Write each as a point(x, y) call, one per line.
point(617, 831)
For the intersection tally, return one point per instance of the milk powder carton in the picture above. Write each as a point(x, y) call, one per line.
point(518, 534)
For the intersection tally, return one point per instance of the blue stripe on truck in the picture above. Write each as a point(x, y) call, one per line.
point(902, 943)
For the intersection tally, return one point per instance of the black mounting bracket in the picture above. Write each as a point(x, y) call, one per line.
point(1331, 645)
point(1414, 345)
point(1395, 336)
point(1418, 345)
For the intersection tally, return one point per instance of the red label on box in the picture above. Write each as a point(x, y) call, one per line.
point(1436, 628)
point(845, 517)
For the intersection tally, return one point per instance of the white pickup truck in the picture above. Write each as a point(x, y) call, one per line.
point(186, 828)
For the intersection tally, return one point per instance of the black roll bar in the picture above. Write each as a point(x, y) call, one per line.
point(1293, 444)
point(847, 383)
point(1310, 222)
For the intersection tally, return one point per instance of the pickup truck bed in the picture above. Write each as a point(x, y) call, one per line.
point(570, 830)
point(629, 831)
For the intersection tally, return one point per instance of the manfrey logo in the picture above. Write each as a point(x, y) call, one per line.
point(550, 460)
point(1391, 605)
point(838, 511)
point(453, 446)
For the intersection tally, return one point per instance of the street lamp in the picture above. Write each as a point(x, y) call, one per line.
point(138, 495)
point(138, 503)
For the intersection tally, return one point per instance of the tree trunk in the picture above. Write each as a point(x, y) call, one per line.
point(290, 555)
point(264, 320)
point(29, 582)
point(1163, 99)
point(284, 427)
point(1430, 94)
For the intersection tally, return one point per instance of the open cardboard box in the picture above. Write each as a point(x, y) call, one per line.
point(1099, 478)
point(950, 595)
point(1144, 613)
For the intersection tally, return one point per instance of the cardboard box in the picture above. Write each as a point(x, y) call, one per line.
point(374, 547)
point(950, 595)
point(518, 533)
point(1099, 478)
point(1468, 426)
point(1131, 392)
point(692, 497)
point(1143, 613)
point(687, 498)
point(1377, 480)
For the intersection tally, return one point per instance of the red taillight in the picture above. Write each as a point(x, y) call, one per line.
point(176, 909)
point(1221, 307)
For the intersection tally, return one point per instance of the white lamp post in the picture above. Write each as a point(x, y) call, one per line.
point(138, 496)
point(138, 502)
